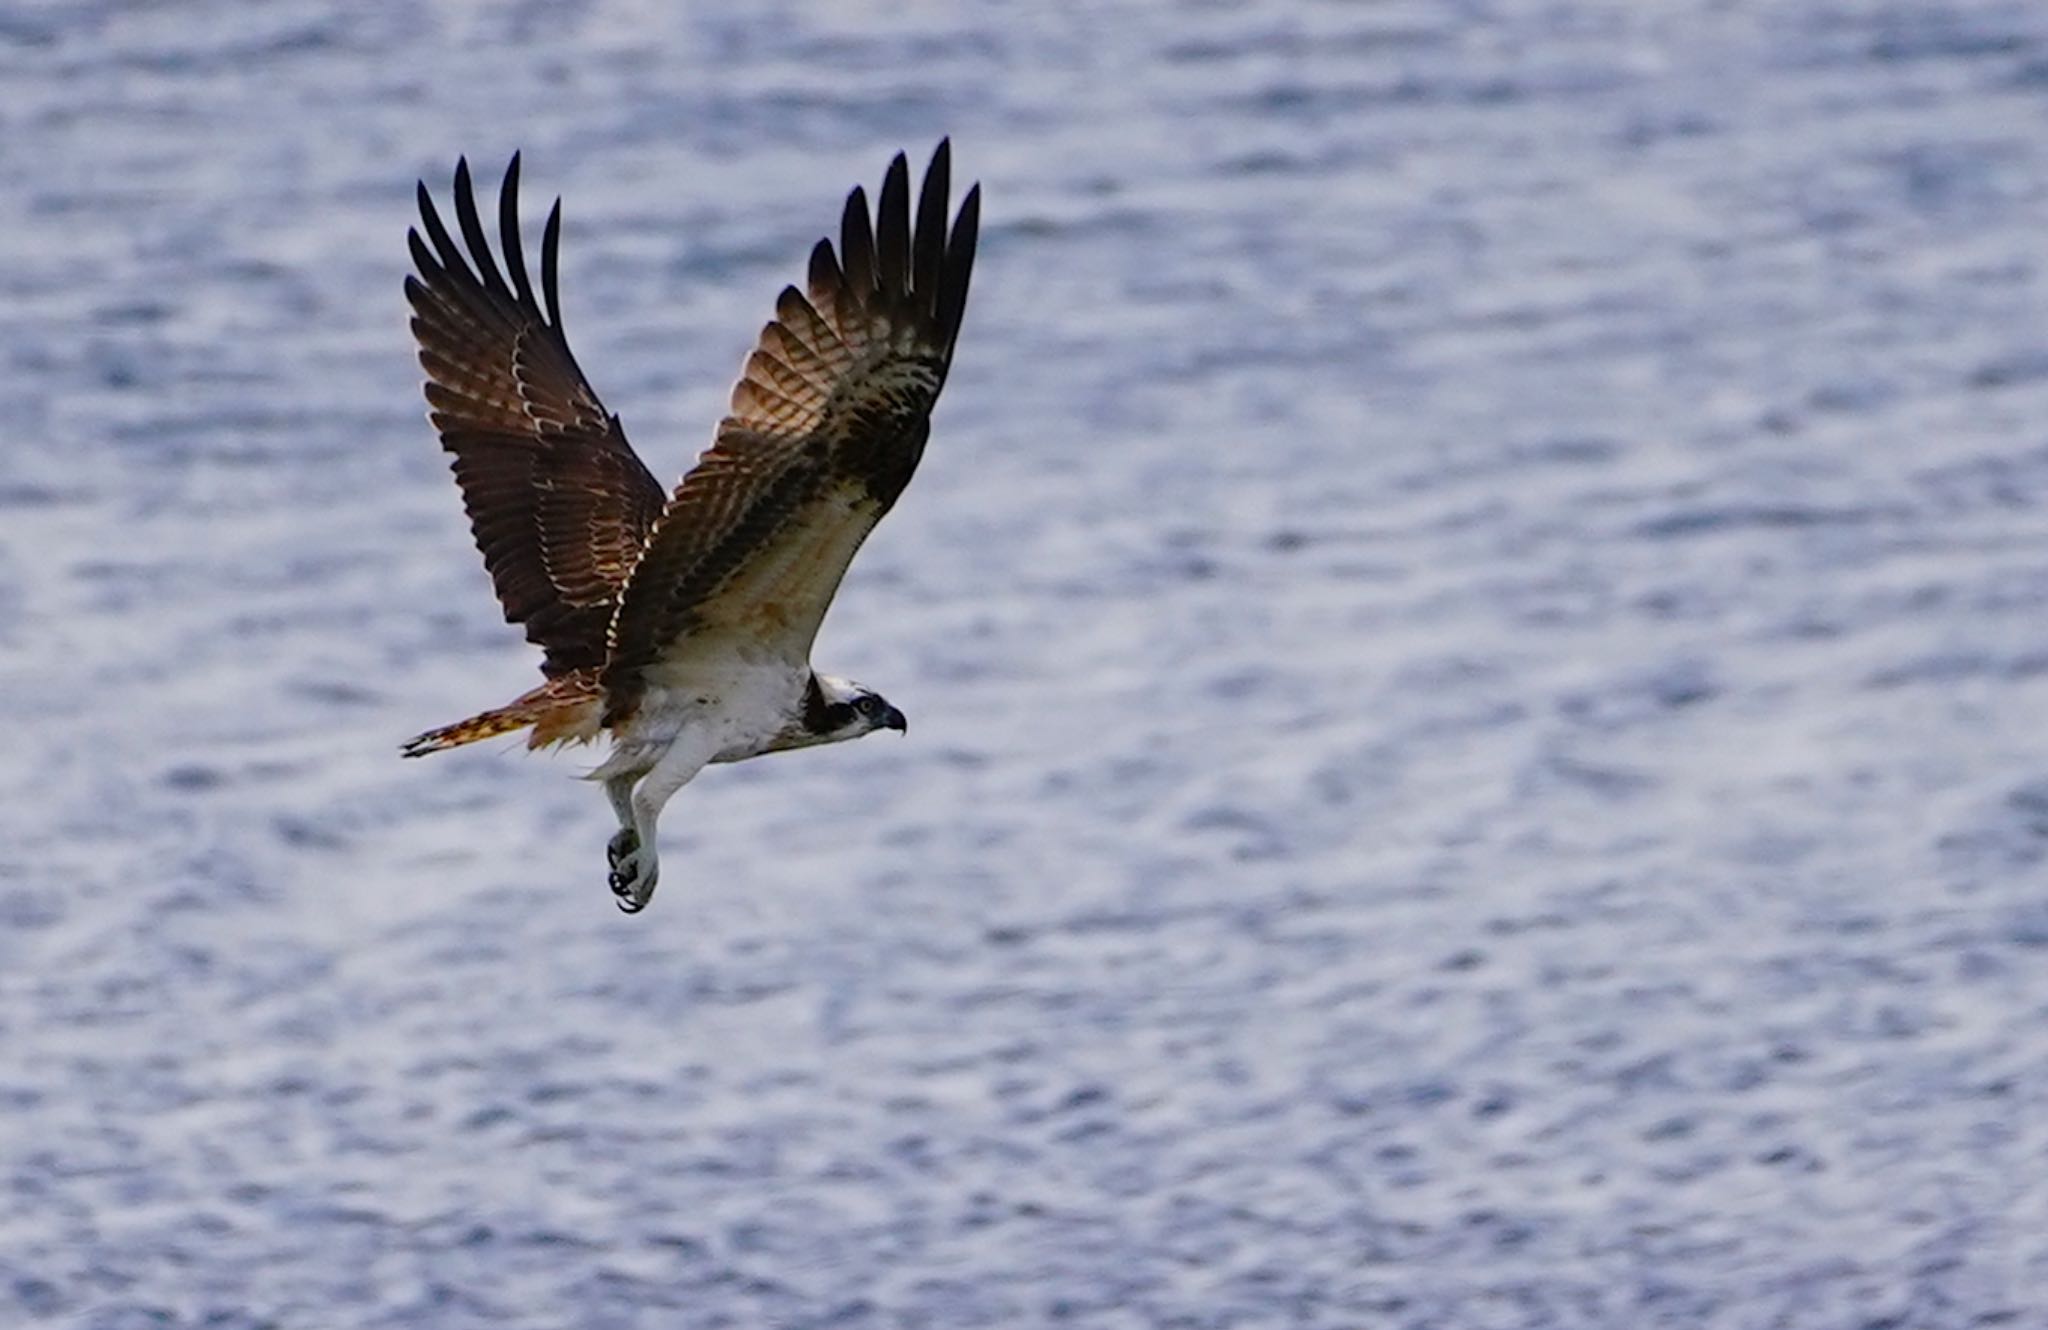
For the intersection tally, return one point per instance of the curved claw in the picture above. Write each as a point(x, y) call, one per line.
point(633, 875)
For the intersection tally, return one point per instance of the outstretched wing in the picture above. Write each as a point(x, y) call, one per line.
point(559, 503)
point(828, 422)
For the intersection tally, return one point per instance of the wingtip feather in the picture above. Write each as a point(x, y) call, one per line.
point(471, 221)
point(857, 244)
point(550, 249)
point(508, 236)
point(892, 231)
point(959, 268)
point(928, 238)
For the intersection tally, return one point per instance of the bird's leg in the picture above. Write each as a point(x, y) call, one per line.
point(619, 789)
point(636, 870)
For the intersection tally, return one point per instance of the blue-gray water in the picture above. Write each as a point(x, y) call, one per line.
point(1473, 627)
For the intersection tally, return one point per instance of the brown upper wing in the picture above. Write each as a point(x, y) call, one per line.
point(828, 422)
point(558, 501)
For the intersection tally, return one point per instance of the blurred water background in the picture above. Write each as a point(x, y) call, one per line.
point(1473, 627)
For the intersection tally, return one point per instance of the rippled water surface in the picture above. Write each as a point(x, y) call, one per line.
point(1473, 623)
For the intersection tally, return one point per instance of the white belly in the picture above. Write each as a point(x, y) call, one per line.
point(737, 701)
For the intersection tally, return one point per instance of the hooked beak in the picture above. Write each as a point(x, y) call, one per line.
point(895, 721)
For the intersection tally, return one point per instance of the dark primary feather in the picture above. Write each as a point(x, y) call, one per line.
point(558, 501)
point(827, 424)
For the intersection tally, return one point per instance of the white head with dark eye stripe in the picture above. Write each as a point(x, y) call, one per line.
point(841, 709)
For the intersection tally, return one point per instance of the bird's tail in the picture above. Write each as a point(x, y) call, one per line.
point(563, 710)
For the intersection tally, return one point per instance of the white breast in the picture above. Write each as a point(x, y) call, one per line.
point(742, 695)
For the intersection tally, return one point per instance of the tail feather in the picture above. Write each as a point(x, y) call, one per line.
point(560, 711)
point(488, 725)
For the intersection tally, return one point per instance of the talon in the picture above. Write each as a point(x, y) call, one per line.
point(632, 877)
point(623, 843)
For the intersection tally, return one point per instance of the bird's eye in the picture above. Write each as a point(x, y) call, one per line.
point(870, 705)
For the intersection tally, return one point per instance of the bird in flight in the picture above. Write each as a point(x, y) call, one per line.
point(680, 625)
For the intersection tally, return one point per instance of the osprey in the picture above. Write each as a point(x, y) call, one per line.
point(680, 625)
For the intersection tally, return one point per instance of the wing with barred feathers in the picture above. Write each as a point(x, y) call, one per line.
point(827, 424)
point(558, 501)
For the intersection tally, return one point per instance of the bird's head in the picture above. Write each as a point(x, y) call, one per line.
point(844, 709)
